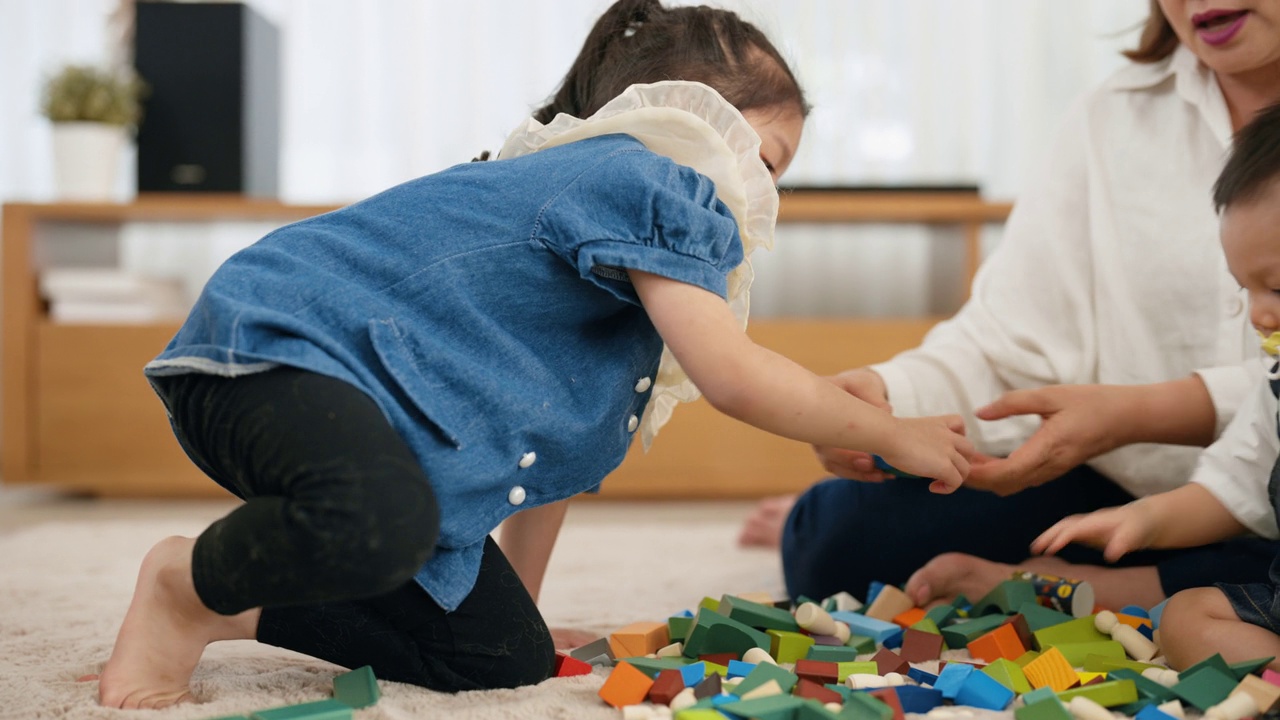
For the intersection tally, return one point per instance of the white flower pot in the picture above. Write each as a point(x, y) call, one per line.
point(86, 158)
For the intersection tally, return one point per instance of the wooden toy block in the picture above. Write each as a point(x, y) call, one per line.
point(836, 654)
point(700, 714)
point(762, 674)
point(919, 646)
point(960, 634)
point(1204, 687)
point(1106, 664)
point(1076, 652)
point(1090, 678)
point(1082, 708)
point(694, 673)
point(653, 666)
point(757, 615)
point(592, 650)
point(1040, 617)
point(788, 647)
point(666, 686)
point(715, 633)
point(1147, 688)
point(717, 669)
point(845, 669)
point(870, 627)
point(815, 620)
point(1138, 647)
point(675, 649)
point(833, 640)
point(861, 643)
point(889, 696)
point(709, 686)
point(1106, 694)
point(1134, 611)
point(1132, 621)
point(1133, 708)
point(1249, 667)
point(922, 677)
point(1235, 707)
point(910, 617)
point(952, 678)
point(769, 689)
point(889, 603)
point(774, 707)
point(1008, 674)
point(626, 685)
point(319, 710)
point(1271, 676)
point(941, 614)
point(755, 656)
point(843, 602)
point(1025, 658)
point(678, 627)
point(1079, 630)
point(807, 688)
point(1266, 695)
point(1037, 695)
point(982, 691)
point(1002, 642)
point(359, 688)
point(720, 658)
point(862, 706)
point(738, 669)
point(1152, 712)
point(818, 671)
point(1214, 661)
point(888, 661)
point(1049, 709)
point(639, 638)
point(812, 710)
point(1019, 624)
point(709, 603)
point(1051, 670)
point(1005, 599)
point(916, 699)
point(566, 666)
point(926, 624)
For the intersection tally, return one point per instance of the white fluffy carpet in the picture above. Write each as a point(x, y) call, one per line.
point(64, 587)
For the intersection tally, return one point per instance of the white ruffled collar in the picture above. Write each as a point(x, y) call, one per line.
point(693, 125)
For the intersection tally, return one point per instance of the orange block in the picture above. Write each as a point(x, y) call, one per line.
point(1003, 642)
point(909, 618)
point(626, 685)
point(639, 639)
point(1136, 623)
point(1051, 670)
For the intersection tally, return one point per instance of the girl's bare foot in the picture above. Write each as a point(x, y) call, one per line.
point(164, 633)
point(951, 574)
point(763, 527)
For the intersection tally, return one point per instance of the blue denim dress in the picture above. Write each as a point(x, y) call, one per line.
point(1259, 603)
point(486, 309)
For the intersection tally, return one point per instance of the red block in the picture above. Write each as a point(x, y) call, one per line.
point(809, 689)
point(568, 666)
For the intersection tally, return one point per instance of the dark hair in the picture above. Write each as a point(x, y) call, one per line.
point(640, 41)
point(1254, 162)
point(1158, 40)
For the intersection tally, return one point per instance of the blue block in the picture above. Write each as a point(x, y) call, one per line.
point(723, 699)
point(860, 624)
point(922, 677)
point(1134, 611)
point(693, 673)
point(1151, 712)
point(738, 669)
point(916, 699)
point(684, 613)
point(873, 589)
point(952, 678)
point(1147, 632)
point(894, 641)
point(983, 691)
point(1156, 612)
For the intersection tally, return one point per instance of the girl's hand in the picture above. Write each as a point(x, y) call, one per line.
point(866, 385)
point(932, 447)
point(1116, 531)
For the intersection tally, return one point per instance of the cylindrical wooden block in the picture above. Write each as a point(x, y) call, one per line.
point(1236, 707)
point(1082, 708)
point(1105, 621)
point(1134, 642)
point(756, 655)
point(816, 620)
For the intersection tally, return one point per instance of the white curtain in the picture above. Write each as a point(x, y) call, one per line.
point(379, 91)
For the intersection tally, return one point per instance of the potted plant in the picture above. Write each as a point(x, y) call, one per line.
point(93, 111)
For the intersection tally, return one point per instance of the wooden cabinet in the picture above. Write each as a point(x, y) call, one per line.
point(78, 414)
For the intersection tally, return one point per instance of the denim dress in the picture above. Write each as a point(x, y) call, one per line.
point(1259, 603)
point(488, 312)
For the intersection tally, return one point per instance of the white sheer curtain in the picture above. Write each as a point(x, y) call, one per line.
point(380, 91)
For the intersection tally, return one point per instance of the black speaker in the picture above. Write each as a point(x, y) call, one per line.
point(211, 121)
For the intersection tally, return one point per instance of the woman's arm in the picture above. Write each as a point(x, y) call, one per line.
point(764, 389)
point(527, 539)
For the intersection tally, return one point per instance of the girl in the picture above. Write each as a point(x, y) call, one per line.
point(385, 384)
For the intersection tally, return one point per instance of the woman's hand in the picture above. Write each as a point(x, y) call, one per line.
point(868, 386)
point(1116, 531)
point(932, 447)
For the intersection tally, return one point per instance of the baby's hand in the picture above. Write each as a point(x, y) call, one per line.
point(932, 447)
point(1116, 531)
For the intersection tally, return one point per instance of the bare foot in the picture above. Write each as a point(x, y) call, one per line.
point(164, 633)
point(951, 574)
point(763, 527)
point(571, 638)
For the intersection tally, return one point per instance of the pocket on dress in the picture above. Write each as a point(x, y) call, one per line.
point(401, 364)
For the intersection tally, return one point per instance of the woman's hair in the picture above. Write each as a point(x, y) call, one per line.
point(1254, 163)
point(1158, 40)
point(640, 41)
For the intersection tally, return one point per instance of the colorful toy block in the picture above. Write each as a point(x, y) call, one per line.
point(845, 669)
point(960, 634)
point(1106, 694)
point(815, 620)
point(678, 627)
point(1002, 642)
point(1040, 617)
point(916, 699)
point(774, 707)
point(861, 643)
point(1203, 686)
point(1077, 652)
point(695, 673)
point(1235, 707)
point(1005, 599)
point(941, 614)
point(593, 650)
point(710, 685)
point(1007, 673)
point(982, 691)
point(922, 677)
point(666, 686)
point(715, 633)
point(818, 671)
point(908, 618)
point(738, 669)
point(757, 615)
point(320, 710)
point(1047, 709)
point(653, 666)
point(1079, 630)
point(788, 647)
point(870, 627)
point(359, 688)
point(1147, 688)
point(626, 685)
point(889, 696)
point(919, 646)
point(1025, 658)
point(639, 638)
point(894, 641)
point(952, 678)
point(888, 661)
point(1051, 670)
point(566, 666)
point(807, 688)
point(1266, 695)
point(836, 654)
point(1102, 663)
point(762, 674)
point(862, 706)
point(1249, 667)
point(1152, 712)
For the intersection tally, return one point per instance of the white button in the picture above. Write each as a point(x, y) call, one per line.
point(1235, 306)
point(516, 496)
point(643, 384)
point(633, 423)
point(528, 459)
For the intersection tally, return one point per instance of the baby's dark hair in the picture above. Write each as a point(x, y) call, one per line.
point(1254, 162)
point(641, 41)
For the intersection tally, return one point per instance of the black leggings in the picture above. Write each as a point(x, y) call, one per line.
point(338, 517)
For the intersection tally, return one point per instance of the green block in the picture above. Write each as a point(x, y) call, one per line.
point(652, 666)
point(1040, 617)
point(1107, 694)
point(1215, 661)
point(358, 688)
point(861, 706)
point(678, 627)
point(845, 669)
point(960, 603)
point(788, 647)
point(1080, 630)
point(763, 673)
point(320, 710)
point(832, 653)
point(714, 633)
point(774, 707)
point(1204, 687)
point(1049, 709)
point(1005, 599)
point(926, 624)
point(1134, 708)
point(231, 717)
point(844, 690)
point(760, 617)
point(1077, 652)
point(1008, 674)
point(812, 710)
point(1147, 688)
point(1102, 663)
point(958, 635)
point(1249, 667)
point(941, 614)
point(1026, 658)
point(1039, 694)
point(861, 643)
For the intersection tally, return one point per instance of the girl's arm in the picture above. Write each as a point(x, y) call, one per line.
point(1189, 516)
point(764, 389)
point(527, 539)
